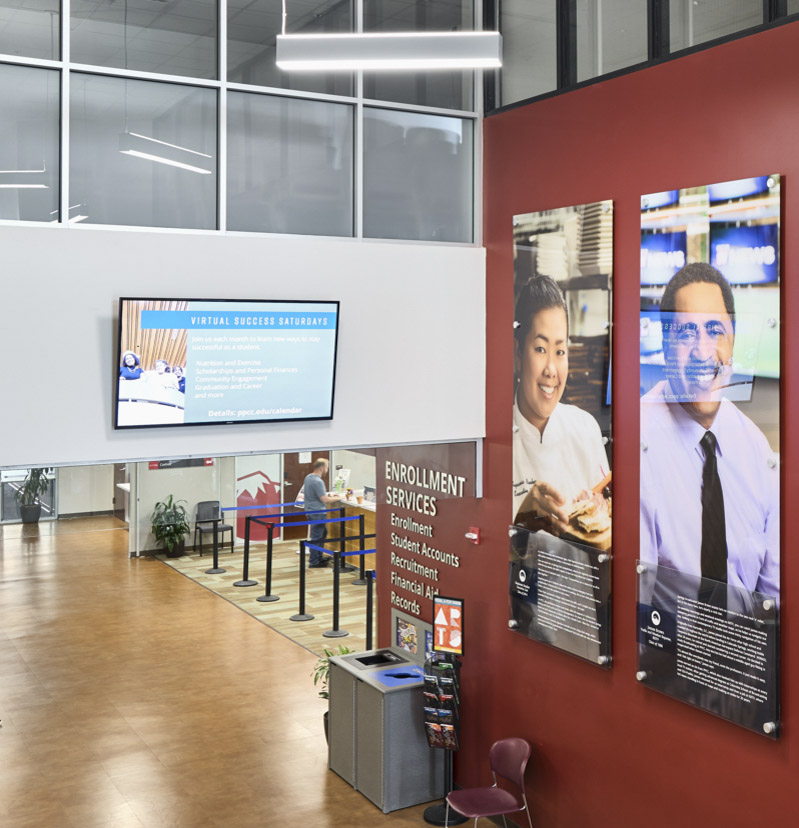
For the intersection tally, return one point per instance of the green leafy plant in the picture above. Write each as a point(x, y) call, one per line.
point(169, 522)
point(321, 670)
point(33, 487)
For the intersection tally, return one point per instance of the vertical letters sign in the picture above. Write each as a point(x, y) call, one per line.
point(448, 625)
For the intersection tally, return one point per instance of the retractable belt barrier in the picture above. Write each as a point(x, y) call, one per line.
point(215, 569)
point(267, 520)
point(264, 520)
point(270, 528)
point(335, 632)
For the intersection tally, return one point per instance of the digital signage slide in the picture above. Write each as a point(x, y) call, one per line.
point(248, 361)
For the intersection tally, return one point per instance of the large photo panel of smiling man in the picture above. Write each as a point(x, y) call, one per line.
point(709, 562)
point(560, 531)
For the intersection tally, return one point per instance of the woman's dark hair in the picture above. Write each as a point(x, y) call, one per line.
point(538, 293)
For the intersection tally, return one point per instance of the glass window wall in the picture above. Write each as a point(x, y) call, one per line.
point(29, 158)
point(290, 165)
point(417, 176)
point(611, 35)
point(529, 49)
point(447, 90)
point(143, 154)
point(697, 21)
point(30, 28)
point(173, 38)
point(253, 26)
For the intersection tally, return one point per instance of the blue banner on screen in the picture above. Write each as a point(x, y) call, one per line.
point(665, 199)
point(745, 255)
point(662, 255)
point(741, 188)
point(201, 362)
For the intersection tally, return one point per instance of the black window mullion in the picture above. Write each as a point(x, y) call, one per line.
point(566, 27)
point(774, 9)
point(491, 80)
point(658, 32)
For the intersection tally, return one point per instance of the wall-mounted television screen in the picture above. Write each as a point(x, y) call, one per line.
point(214, 361)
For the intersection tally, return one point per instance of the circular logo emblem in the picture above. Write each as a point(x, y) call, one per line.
point(522, 575)
point(655, 618)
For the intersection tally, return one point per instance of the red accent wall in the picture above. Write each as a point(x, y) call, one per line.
point(608, 751)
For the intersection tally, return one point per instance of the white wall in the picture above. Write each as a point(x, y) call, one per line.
point(190, 485)
point(362, 468)
point(84, 489)
point(411, 360)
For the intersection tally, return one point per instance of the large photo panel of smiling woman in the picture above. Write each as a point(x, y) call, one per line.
point(560, 531)
point(709, 562)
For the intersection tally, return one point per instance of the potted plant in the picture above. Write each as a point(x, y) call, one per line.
point(29, 494)
point(321, 675)
point(170, 524)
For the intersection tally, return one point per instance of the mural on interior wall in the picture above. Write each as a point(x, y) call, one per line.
point(709, 570)
point(562, 485)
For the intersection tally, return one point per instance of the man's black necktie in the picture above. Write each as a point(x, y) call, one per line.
point(714, 528)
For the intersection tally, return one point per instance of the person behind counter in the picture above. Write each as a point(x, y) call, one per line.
point(316, 497)
point(558, 453)
point(131, 368)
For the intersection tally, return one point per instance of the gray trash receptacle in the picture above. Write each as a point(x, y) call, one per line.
point(377, 741)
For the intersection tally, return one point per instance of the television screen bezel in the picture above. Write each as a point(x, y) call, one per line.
point(118, 357)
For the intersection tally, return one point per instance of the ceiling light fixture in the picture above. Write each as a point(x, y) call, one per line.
point(141, 146)
point(387, 51)
point(21, 179)
point(382, 51)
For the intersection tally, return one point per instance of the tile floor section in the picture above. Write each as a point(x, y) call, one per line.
point(285, 584)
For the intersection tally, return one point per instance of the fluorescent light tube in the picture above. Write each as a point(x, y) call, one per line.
point(21, 179)
point(382, 51)
point(142, 146)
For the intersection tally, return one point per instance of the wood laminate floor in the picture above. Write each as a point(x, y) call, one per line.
point(130, 697)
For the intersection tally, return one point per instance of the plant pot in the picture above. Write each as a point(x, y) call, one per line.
point(177, 550)
point(30, 513)
point(326, 723)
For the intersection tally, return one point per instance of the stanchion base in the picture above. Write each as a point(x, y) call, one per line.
point(245, 583)
point(335, 633)
point(436, 815)
point(345, 567)
point(266, 599)
point(360, 582)
point(217, 571)
point(301, 617)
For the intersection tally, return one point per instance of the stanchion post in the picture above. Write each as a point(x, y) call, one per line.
point(246, 581)
point(267, 597)
point(342, 543)
point(369, 607)
point(335, 632)
point(216, 570)
point(302, 615)
point(361, 579)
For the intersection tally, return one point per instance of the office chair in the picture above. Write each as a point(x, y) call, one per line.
point(508, 759)
point(207, 512)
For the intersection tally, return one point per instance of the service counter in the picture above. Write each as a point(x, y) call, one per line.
point(354, 509)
